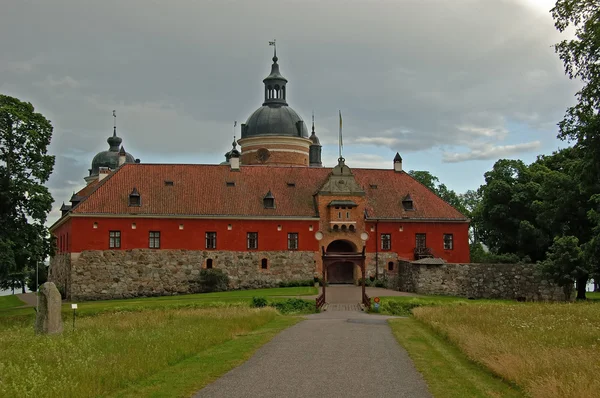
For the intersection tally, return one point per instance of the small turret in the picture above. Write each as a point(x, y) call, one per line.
point(314, 156)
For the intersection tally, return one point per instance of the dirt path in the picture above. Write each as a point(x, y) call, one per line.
point(331, 354)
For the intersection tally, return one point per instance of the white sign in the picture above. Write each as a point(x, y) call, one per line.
point(74, 306)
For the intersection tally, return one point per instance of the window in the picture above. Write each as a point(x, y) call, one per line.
point(230, 183)
point(211, 240)
point(154, 240)
point(448, 241)
point(252, 240)
point(114, 239)
point(134, 198)
point(339, 214)
point(264, 264)
point(209, 263)
point(293, 241)
point(347, 214)
point(407, 203)
point(386, 241)
point(391, 266)
point(269, 201)
point(421, 241)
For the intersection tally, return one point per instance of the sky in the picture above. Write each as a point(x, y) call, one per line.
point(452, 86)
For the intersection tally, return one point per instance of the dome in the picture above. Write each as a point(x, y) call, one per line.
point(110, 158)
point(274, 120)
point(314, 139)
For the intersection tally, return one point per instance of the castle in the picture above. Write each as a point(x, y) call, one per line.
point(270, 213)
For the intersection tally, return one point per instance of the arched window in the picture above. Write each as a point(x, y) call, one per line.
point(209, 263)
point(264, 263)
point(336, 227)
point(351, 228)
point(344, 227)
point(391, 266)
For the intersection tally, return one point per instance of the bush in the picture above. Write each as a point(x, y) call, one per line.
point(258, 302)
point(213, 280)
point(294, 305)
point(297, 283)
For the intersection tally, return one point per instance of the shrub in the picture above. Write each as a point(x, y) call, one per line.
point(294, 305)
point(212, 280)
point(258, 302)
point(297, 283)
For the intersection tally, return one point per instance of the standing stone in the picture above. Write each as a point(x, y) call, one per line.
point(49, 318)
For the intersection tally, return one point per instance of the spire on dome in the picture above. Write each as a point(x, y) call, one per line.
point(275, 83)
point(114, 141)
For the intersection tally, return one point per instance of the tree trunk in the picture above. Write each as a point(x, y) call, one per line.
point(581, 288)
point(596, 286)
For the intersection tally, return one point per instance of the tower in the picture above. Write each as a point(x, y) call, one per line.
point(314, 156)
point(275, 134)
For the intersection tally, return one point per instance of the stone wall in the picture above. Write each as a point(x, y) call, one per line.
point(109, 274)
point(494, 281)
point(60, 273)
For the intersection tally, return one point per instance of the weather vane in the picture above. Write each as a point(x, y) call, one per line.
point(272, 43)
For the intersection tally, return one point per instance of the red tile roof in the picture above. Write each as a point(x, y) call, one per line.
point(203, 190)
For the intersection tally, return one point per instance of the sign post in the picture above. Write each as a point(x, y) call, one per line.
point(74, 307)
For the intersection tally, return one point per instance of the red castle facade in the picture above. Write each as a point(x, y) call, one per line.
point(268, 214)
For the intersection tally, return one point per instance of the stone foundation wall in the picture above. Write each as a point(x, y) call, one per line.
point(110, 274)
point(60, 273)
point(494, 281)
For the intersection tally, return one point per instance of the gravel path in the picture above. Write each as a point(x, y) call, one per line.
point(331, 354)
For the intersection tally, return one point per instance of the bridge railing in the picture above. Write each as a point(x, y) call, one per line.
point(320, 301)
point(366, 300)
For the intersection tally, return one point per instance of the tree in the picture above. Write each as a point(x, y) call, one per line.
point(441, 190)
point(25, 202)
point(564, 265)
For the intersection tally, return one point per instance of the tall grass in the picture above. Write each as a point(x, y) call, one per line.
point(549, 350)
point(109, 352)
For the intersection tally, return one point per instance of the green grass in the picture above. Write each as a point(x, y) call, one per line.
point(593, 296)
point(11, 301)
point(403, 305)
point(139, 353)
point(234, 298)
point(448, 372)
point(547, 349)
point(192, 374)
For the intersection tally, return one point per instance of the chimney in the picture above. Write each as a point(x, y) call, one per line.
point(103, 172)
point(122, 156)
point(397, 163)
point(234, 160)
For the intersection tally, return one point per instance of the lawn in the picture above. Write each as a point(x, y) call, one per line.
point(448, 372)
point(593, 295)
point(234, 298)
point(403, 305)
point(11, 301)
point(548, 350)
point(173, 351)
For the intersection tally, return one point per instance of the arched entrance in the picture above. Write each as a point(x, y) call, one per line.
point(339, 261)
point(340, 271)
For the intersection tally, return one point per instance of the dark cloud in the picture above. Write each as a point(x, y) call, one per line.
point(409, 75)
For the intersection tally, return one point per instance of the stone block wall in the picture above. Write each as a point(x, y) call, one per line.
point(110, 274)
point(494, 281)
point(60, 273)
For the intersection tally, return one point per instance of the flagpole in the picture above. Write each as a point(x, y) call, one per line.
point(340, 136)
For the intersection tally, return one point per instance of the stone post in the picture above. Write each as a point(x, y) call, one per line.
point(49, 319)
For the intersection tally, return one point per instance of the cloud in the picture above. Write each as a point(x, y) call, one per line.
point(64, 82)
point(452, 78)
point(488, 151)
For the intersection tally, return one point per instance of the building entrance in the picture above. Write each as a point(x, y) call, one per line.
point(341, 272)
